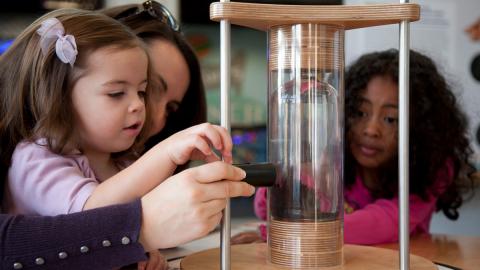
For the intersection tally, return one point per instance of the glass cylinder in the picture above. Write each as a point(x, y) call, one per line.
point(305, 142)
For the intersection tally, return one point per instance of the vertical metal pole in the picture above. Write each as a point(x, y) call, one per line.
point(403, 147)
point(225, 122)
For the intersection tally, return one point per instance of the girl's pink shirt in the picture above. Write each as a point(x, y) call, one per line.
point(375, 221)
point(44, 183)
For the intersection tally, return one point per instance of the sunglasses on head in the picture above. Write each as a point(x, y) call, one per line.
point(154, 10)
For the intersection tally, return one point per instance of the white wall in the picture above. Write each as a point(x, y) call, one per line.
point(467, 224)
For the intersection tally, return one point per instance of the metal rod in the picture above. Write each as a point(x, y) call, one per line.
point(225, 122)
point(403, 147)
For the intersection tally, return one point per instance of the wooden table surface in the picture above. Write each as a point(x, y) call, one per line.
point(459, 251)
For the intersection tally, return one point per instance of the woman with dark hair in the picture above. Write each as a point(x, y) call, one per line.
point(179, 93)
point(440, 171)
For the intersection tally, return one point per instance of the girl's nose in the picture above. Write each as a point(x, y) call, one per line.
point(136, 105)
point(372, 128)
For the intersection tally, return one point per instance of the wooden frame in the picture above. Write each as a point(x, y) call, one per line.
point(264, 16)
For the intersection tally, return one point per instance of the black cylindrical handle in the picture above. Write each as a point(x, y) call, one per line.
point(259, 174)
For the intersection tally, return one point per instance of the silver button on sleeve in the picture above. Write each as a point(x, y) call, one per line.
point(62, 255)
point(17, 265)
point(125, 240)
point(106, 243)
point(39, 261)
point(84, 249)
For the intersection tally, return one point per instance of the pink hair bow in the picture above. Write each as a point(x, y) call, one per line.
point(51, 31)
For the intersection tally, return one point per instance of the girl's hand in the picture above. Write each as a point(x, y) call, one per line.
point(155, 261)
point(246, 238)
point(189, 204)
point(195, 143)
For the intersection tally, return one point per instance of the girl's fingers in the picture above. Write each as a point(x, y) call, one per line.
point(227, 158)
point(212, 158)
point(227, 143)
point(219, 138)
point(202, 145)
point(225, 137)
point(210, 132)
point(216, 136)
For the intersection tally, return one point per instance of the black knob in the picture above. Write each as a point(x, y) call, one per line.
point(259, 174)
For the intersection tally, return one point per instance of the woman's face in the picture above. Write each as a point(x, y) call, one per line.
point(171, 71)
point(373, 134)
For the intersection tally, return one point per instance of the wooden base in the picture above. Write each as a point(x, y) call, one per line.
point(254, 256)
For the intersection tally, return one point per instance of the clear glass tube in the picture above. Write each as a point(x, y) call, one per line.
point(306, 100)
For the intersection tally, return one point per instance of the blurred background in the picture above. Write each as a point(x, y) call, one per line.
point(439, 34)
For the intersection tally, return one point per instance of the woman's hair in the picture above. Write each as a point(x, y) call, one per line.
point(193, 109)
point(36, 89)
point(438, 129)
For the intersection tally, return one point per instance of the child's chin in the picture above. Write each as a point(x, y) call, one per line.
point(369, 163)
point(122, 148)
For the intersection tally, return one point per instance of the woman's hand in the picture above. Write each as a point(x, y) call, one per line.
point(189, 204)
point(195, 143)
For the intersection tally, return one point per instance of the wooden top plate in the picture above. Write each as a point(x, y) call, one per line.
point(264, 16)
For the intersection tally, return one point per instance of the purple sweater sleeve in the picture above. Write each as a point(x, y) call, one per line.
point(23, 239)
